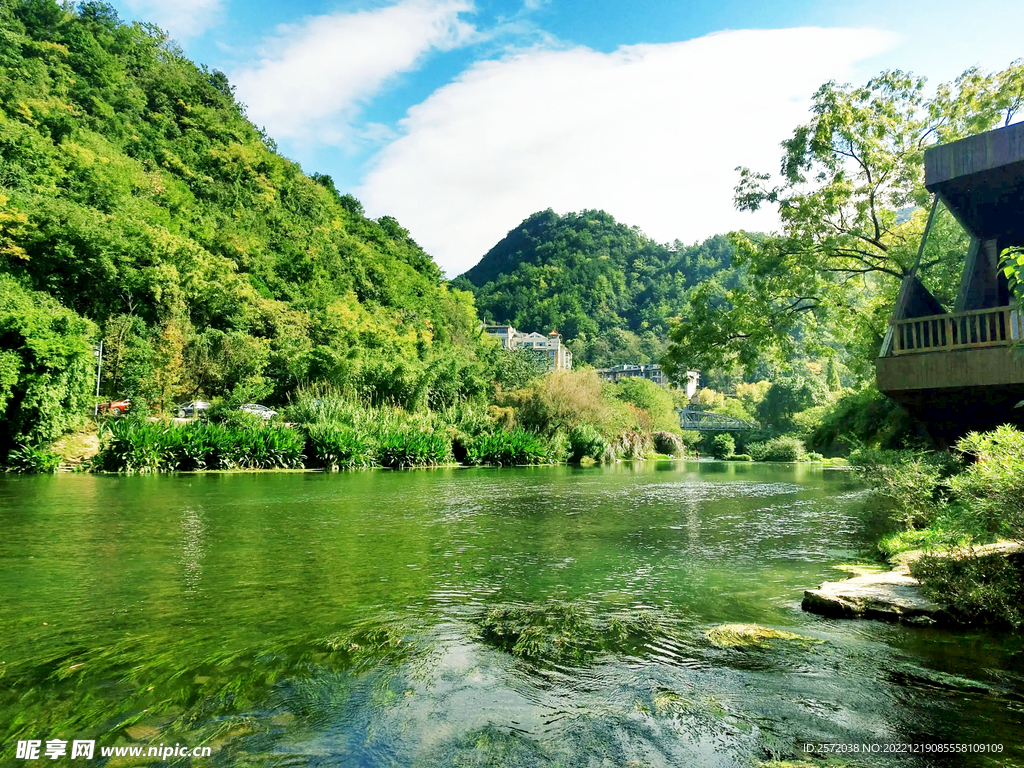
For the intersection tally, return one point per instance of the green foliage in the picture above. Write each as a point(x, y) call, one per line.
point(333, 447)
point(46, 366)
point(992, 486)
point(135, 193)
point(668, 443)
point(32, 460)
point(130, 445)
point(787, 397)
point(507, 448)
point(783, 448)
point(411, 447)
point(651, 398)
point(910, 487)
point(585, 442)
point(945, 507)
point(865, 418)
point(723, 446)
point(981, 589)
point(515, 368)
point(604, 285)
point(849, 175)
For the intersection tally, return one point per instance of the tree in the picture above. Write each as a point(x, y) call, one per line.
point(46, 366)
point(852, 206)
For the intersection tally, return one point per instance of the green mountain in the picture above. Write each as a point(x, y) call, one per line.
point(138, 204)
point(605, 286)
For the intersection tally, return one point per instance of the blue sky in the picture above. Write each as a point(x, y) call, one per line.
point(461, 117)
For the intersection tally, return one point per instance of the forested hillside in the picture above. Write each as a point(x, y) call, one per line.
point(604, 285)
point(138, 204)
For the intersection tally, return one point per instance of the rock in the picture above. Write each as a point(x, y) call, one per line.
point(895, 595)
point(890, 596)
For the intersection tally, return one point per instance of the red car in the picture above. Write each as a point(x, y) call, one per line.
point(116, 407)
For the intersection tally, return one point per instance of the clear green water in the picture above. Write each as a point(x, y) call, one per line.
point(304, 619)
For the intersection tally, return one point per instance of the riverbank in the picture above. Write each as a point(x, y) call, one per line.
point(955, 524)
point(896, 595)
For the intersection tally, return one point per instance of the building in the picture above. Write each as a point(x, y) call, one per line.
point(550, 349)
point(956, 371)
point(651, 372)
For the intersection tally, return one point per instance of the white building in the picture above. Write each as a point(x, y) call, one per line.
point(651, 372)
point(550, 349)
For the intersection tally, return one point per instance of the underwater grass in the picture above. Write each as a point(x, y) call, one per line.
point(565, 633)
point(745, 635)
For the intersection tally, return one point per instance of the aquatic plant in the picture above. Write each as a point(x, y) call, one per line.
point(560, 632)
point(507, 448)
point(32, 459)
point(333, 447)
point(413, 448)
point(142, 446)
point(743, 635)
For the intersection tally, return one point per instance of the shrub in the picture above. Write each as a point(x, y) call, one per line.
point(909, 486)
point(723, 446)
point(654, 400)
point(992, 487)
point(741, 457)
point(586, 442)
point(668, 443)
point(507, 448)
point(561, 400)
point(333, 447)
point(139, 446)
point(868, 418)
point(46, 366)
point(33, 460)
point(778, 449)
point(412, 447)
point(985, 589)
point(633, 445)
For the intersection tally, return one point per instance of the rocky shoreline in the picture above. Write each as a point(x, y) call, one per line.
point(895, 595)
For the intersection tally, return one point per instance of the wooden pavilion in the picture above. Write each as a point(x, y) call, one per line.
point(963, 370)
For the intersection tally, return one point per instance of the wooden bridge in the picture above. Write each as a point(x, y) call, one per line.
point(957, 370)
point(697, 420)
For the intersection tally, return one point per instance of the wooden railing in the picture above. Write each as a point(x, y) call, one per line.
point(995, 327)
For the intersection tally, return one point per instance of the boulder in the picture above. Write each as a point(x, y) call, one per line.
point(894, 595)
point(890, 596)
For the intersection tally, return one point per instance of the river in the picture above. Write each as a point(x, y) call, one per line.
point(311, 619)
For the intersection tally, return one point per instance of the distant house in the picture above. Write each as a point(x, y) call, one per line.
point(651, 372)
point(549, 350)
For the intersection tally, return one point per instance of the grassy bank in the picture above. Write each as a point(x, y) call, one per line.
point(950, 502)
point(560, 417)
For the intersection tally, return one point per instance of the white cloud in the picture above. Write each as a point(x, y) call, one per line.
point(181, 18)
point(650, 133)
point(318, 74)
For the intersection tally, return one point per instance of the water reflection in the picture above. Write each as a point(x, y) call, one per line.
point(339, 619)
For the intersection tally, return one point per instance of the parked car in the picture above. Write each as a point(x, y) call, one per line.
point(191, 410)
point(115, 407)
point(258, 410)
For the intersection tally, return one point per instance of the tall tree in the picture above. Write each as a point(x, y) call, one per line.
point(852, 206)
